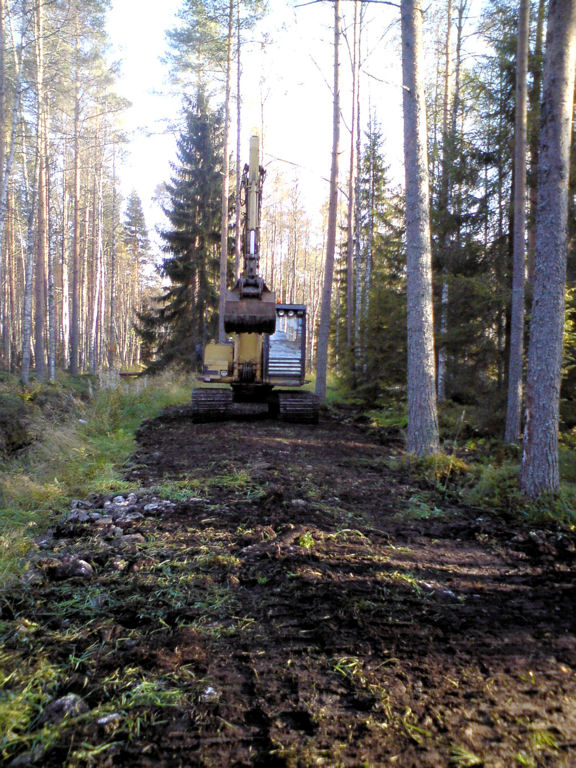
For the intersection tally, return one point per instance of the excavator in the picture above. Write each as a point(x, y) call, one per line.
point(267, 340)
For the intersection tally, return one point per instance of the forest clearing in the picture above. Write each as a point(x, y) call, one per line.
point(263, 594)
point(288, 479)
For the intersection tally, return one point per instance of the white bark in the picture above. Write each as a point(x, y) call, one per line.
point(539, 472)
point(324, 327)
point(225, 182)
point(422, 413)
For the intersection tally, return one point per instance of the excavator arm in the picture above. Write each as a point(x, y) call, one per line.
point(250, 305)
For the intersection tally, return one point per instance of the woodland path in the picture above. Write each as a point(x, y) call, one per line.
point(276, 589)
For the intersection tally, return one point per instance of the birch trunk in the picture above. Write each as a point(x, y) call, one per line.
point(351, 200)
point(422, 413)
point(225, 182)
point(237, 222)
point(93, 347)
point(324, 328)
point(41, 232)
point(444, 203)
point(112, 343)
point(539, 472)
point(74, 345)
point(514, 407)
point(65, 336)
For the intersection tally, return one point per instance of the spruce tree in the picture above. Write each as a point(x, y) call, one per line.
point(135, 230)
point(185, 314)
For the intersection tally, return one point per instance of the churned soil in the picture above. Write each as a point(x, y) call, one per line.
point(278, 603)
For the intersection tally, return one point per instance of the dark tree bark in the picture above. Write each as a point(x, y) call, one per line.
point(539, 473)
point(422, 411)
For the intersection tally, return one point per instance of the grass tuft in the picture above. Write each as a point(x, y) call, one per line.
point(77, 457)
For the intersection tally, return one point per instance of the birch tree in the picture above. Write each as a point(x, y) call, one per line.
point(539, 471)
point(324, 327)
point(422, 411)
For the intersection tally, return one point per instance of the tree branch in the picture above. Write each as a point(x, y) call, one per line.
point(362, 2)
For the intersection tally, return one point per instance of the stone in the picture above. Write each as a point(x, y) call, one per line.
point(81, 504)
point(79, 516)
point(81, 568)
point(32, 576)
point(71, 705)
point(109, 722)
point(114, 532)
point(131, 517)
point(134, 538)
point(210, 695)
point(103, 521)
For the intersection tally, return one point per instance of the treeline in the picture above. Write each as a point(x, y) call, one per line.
point(72, 251)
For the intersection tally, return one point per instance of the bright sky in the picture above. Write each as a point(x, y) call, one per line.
point(138, 41)
point(290, 75)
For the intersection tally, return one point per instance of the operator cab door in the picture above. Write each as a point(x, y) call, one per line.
point(285, 349)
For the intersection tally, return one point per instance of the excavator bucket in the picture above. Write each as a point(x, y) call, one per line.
point(249, 315)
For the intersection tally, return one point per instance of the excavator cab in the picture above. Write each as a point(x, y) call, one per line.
point(267, 346)
point(271, 359)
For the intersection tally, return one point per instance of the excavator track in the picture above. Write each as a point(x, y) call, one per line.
point(299, 407)
point(219, 405)
point(211, 404)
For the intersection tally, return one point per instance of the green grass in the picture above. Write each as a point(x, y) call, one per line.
point(73, 458)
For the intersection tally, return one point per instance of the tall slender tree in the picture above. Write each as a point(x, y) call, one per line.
point(539, 471)
point(515, 367)
point(324, 327)
point(422, 411)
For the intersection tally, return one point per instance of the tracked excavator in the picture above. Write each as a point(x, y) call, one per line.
point(258, 371)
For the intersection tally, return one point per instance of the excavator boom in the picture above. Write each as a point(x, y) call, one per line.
point(250, 305)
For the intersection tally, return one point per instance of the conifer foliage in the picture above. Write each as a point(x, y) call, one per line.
point(185, 314)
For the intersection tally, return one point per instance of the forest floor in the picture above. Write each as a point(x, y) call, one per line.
point(277, 595)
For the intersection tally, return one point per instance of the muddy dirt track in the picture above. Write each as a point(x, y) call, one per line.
point(298, 617)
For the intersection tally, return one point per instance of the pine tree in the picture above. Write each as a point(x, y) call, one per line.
point(540, 471)
point(422, 410)
point(185, 315)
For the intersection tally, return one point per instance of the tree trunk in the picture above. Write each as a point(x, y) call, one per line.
point(539, 473)
point(358, 346)
point(515, 365)
point(112, 342)
point(422, 413)
point(41, 232)
point(237, 221)
point(75, 293)
point(443, 205)
point(225, 182)
point(534, 122)
point(96, 300)
point(324, 328)
point(351, 201)
point(65, 337)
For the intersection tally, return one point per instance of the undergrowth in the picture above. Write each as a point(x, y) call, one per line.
point(71, 458)
point(479, 471)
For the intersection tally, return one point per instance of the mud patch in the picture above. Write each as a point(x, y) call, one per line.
point(278, 609)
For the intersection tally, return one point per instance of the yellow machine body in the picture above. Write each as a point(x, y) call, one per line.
point(268, 340)
point(240, 362)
